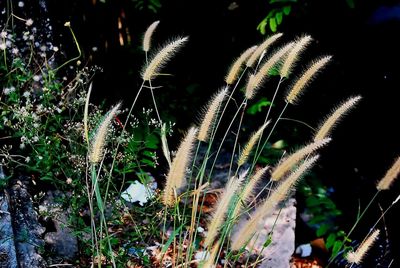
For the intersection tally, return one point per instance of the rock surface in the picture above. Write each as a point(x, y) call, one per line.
point(28, 232)
point(62, 242)
point(8, 256)
point(279, 252)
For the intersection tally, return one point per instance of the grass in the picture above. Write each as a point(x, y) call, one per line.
point(178, 227)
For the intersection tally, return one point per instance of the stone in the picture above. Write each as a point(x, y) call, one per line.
point(62, 242)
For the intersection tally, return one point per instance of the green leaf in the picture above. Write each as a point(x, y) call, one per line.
point(330, 240)
point(317, 219)
point(258, 106)
point(152, 142)
point(312, 201)
point(336, 247)
point(149, 154)
point(268, 241)
point(323, 229)
point(263, 24)
point(278, 17)
point(147, 162)
point(170, 239)
point(286, 10)
point(272, 24)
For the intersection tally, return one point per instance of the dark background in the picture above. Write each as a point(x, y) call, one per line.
point(363, 41)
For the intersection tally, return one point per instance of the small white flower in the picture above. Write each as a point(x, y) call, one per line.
point(3, 46)
point(43, 48)
point(55, 49)
point(8, 43)
point(36, 78)
point(21, 4)
point(94, 49)
point(15, 51)
point(29, 22)
point(22, 146)
point(26, 94)
point(40, 157)
point(3, 34)
point(27, 159)
point(35, 117)
point(35, 139)
point(59, 110)
point(35, 125)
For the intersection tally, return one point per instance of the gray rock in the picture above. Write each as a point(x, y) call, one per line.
point(28, 232)
point(8, 257)
point(63, 243)
point(281, 223)
point(279, 252)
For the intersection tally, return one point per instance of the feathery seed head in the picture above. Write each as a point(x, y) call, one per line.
point(97, 146)
point(148, 34)
point(250, 144)
point(210, 114)
point(357, 256)
point(233, 74)
point(279, 194)
point(162, 57)
point(293, 55)
point(296, 157)
point(250, 87)
point(257, 80)
point(176, 175)
point(222, 208)
point(390, 176)
point(306, 78)
point(248, 191)
point(261, 48)
point(334, 117)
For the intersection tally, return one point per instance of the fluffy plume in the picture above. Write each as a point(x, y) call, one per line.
point(148, 34)
point(233, 74)
point(162, 57)
point(255, 81)
point(357, 256)
point(306, 78)
point(295, 158)
point(279, 194)
point(177, 172)
point(97, 146)
point(248, 191)
point(334, 118)
point(250, 144)
point(261, 48)
point(218, 217)
point(210, 115)
point(390, 176)
point(293, 55)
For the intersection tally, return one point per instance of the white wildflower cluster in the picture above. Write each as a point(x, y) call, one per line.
point(8, 90)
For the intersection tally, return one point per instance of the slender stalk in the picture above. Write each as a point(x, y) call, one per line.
point(236, 140)
point(269, 135)
point(267, 117)
point(353, 227)
point(119, 142)
point(225, 135)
